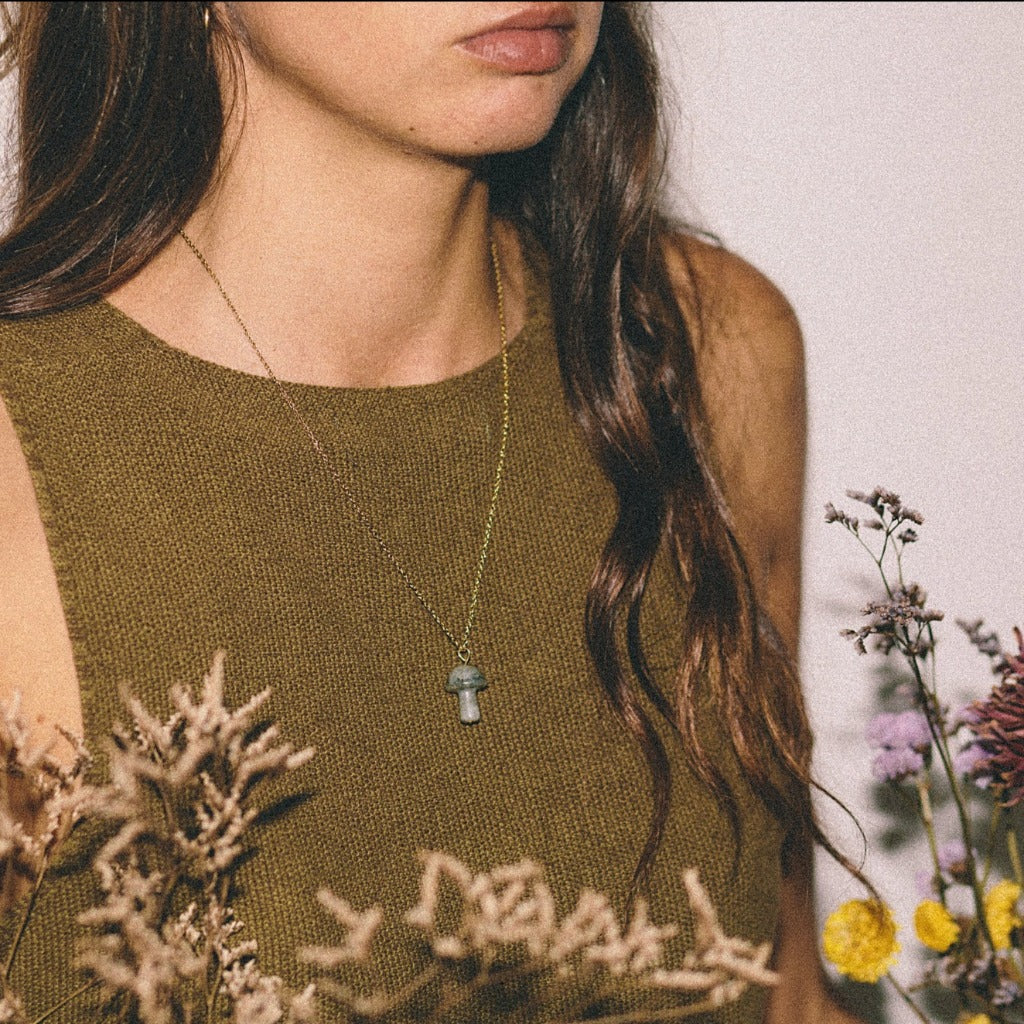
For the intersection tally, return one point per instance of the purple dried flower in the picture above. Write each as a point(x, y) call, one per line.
point(987, 643)
point(896, 765)
point(999, 734)
point(967, 715)
point(952, 856)
point(1013, 664)
point(837, 515)
point(953, 861)
point(926, 884)
point(1006, 993)
point(899, 730)
point(969, 760)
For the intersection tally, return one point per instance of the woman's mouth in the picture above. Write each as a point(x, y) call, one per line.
point(522, 51)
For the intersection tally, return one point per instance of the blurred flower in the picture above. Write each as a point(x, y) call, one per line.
point(999, 732)
point(896, 765)
point(977, 1018)
point(935, 926)
point(900, 729)
point(926, 883)
point(860, 939)
point(1000, 915)
point(970, 762)
point(901, 739)
point(967, 715)
point(11, 1010)
point(1007, 993)
point(953, 856)
point(953, 861)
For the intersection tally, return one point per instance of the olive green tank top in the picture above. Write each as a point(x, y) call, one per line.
point(186, 511)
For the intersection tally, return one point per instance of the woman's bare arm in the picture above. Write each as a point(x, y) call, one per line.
point(751, 364)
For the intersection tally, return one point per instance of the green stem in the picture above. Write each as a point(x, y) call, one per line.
point(938, 733)
point(67, 999)
point(993, 827)
point(925, 804)
point(1014, 852)
point(905, 996)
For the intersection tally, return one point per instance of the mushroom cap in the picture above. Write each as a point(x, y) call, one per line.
point(465, 677)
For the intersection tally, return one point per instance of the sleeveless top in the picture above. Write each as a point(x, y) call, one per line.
point(186, 512)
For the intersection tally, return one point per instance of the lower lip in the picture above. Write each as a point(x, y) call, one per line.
point(523, 51)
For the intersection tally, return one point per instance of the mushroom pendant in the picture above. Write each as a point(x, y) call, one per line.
point(465, 681)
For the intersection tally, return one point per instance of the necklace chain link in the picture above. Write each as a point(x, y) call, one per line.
point(462, 648)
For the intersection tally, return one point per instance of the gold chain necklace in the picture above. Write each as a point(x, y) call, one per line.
point(465, 680)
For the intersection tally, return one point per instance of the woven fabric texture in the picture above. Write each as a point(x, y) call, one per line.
point(186, 512)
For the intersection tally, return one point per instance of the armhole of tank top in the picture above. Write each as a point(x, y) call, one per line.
point(36, 647)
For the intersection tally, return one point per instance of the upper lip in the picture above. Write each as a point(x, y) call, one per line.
point(535, 16)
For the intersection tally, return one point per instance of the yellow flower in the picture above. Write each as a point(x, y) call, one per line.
point(935, 926)
point(978, 1018)
point(1000, 904)
point(860, 939)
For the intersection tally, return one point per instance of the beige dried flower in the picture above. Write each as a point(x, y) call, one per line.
point(181, 791)
point(508, 905)
point(720, 966)
point(11, 1010)
point(591, 923)
point(639, 950)
point(361, 930)
point(136, 952)
point(436, 868)
point(41, 798)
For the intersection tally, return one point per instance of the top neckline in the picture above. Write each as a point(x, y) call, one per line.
point(535, 290)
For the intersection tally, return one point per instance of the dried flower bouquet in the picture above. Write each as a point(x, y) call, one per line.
point(163, 944)
point(968, 917)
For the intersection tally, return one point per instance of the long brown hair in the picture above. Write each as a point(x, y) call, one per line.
point(120, 130)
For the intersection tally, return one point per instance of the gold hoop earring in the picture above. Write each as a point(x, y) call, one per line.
point(206, 18)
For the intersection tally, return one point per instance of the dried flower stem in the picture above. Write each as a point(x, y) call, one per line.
point(941, 740)
point(891, 516)
point(64, 1002)
point(1013, 850)
point(653, 1016)
point(23, 924)
point(482, 980)
point(906, 997)
point(925, 803)
point(213, 991)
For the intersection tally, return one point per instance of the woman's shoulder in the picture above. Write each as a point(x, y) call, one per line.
point(750, 364)
point(733, 309)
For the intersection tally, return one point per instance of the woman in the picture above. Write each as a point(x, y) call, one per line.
point(295, 431)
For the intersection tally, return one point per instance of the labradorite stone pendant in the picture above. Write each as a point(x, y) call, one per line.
point(465, 681)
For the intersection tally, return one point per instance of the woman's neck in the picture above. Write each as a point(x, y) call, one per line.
point(351, 262)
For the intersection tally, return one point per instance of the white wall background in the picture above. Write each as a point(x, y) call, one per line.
point(869, 157)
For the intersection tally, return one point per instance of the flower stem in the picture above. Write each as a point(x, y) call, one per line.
point(933, 716)
point(1014, 851)
point(652, 1016)
point(925, 803)
point(905, 996)
point(23, 924)
point(67, 999)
